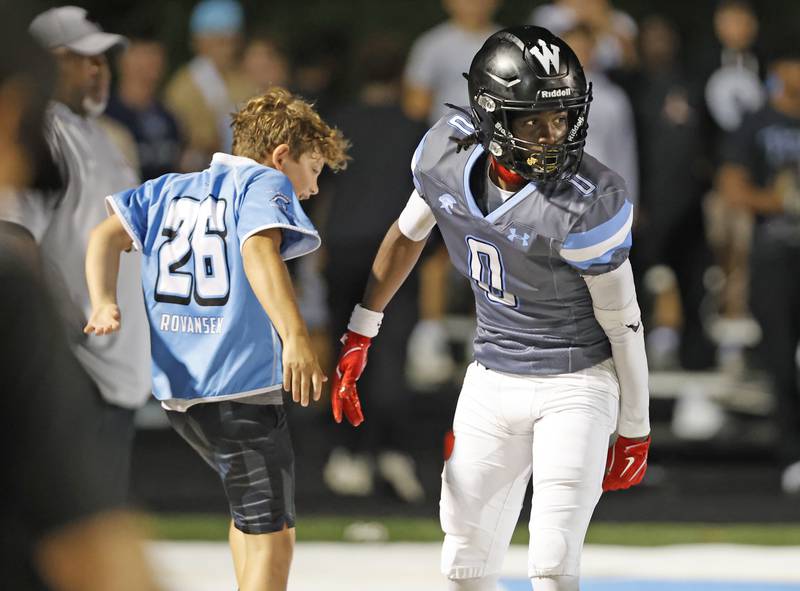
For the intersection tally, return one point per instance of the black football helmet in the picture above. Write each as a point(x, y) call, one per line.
point(520, 71)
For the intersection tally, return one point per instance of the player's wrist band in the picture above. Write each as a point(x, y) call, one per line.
point(365, 322)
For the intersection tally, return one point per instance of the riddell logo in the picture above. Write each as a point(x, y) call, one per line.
point(556, 93)
point(574, 131)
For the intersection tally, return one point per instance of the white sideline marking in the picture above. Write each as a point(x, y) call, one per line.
point(207, 566)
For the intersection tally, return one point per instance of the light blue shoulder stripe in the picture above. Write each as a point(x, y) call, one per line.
point(602, 232)
point(605, 258)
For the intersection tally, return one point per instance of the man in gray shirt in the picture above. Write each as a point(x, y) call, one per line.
point(62, 527)
point(438, 58)
point(92, 167)
point(542, 232)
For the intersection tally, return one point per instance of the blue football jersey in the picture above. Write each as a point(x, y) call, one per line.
point(210, 337)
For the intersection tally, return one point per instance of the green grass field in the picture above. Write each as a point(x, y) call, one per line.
point(335, 529)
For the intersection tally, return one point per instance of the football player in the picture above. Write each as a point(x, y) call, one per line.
point(542, 231)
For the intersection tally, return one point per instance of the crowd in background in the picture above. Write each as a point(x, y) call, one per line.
point(660, 118)
point(708, 144)
point(666, 121)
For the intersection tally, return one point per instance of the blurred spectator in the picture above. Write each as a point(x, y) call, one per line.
point(203, 93)
point(733, 88)
point(612, 134)
point(264, 63)
point(761, 174)
point(92, 168)
point(675, 175)
point(614, 30)
point(440, 56)
point(123, 139)
point(353, 231)
point(434, 75)
point(318, 76)
point(135, 105)
point(319, 67)
point(62, 528)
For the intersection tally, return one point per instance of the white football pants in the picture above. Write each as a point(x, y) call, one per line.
point(507, 428)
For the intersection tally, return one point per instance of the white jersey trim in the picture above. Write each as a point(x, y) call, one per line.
point(416, 220)
point(232, 161)
point(183, 404)
point(114, 208)
point(580, 255)
point(289, 255)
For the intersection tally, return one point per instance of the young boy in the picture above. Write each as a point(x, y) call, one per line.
point(213, 246)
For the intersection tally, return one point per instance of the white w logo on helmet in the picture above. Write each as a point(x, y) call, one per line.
point(547, 56)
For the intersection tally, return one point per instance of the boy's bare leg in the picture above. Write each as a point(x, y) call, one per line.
point(267, 562)
point(238, 550)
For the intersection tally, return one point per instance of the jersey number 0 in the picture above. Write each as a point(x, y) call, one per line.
point(195, 231)
point(486, 269)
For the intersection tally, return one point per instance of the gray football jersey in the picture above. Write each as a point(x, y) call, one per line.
point(525, 259)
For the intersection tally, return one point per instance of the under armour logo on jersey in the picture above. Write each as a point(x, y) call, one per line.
point(513, 236)
point(548, 56)
point(447, 203)
point(281, 202)
point(634, 327)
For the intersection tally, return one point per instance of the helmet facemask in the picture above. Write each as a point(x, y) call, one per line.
point(532, 160)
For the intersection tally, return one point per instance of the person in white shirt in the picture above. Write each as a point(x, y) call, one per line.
point(91, 167)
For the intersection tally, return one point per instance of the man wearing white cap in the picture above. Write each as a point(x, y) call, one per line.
point(91, 167)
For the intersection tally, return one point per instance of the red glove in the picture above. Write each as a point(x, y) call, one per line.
point(626, 463)
point(344, 394)
point(449, 444)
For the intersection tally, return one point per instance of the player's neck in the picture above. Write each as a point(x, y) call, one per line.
point(506, 179)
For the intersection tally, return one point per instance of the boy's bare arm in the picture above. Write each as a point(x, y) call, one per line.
point(270, 280)
point(396, 257)
point(106, 243)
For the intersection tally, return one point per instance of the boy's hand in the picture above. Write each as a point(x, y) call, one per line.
point(351, 363)
point(301, 371)
point(105, 319)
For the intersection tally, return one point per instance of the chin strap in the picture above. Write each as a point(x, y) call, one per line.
point(508, 176)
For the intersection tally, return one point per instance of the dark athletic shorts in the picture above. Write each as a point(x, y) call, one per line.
point(249, 447)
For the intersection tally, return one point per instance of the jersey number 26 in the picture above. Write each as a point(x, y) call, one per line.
point(195, 231)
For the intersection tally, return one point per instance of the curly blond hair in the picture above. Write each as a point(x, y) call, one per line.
point(279, 117)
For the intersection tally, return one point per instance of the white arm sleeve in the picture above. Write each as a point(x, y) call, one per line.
point(615, 307)
point(416, 221)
